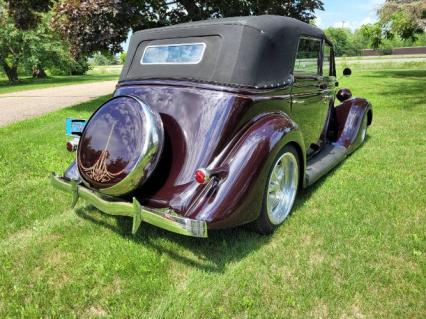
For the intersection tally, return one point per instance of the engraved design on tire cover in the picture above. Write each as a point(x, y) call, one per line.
point(98, 171)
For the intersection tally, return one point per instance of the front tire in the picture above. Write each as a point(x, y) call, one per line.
point(280, 191)
point(363, 130)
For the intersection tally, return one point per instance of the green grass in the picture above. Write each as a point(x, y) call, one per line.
point(101, 73)
point(390, 56)
point(388, 62)
point(354, 247)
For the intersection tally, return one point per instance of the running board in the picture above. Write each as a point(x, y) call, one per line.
point(323, 162)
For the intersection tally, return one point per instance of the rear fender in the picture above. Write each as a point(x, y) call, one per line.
point(236, 197)
point(349, 116)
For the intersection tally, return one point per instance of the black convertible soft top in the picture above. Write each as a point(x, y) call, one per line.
point(256, 51)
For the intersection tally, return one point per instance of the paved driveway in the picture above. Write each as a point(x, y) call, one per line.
point(26, 104)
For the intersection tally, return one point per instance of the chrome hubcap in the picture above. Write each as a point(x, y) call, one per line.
point(282, 188)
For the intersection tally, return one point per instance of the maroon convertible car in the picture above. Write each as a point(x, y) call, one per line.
point(216, 124)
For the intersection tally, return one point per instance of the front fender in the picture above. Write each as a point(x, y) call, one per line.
point(349, 116)
point(236, 198)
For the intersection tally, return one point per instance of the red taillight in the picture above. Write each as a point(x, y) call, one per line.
point(201, 176)
point(72, 145)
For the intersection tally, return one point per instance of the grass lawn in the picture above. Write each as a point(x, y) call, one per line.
point(354, 247)
point(387, 62)
point(99, 73)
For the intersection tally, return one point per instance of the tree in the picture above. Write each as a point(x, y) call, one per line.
point(12, 44)
point(122, 57)
point(359, 41)
point(102, 25)
point(91, 25)
point(32, 49)
point(26, 14)
point(45, 49)
point(103, 59)
point(372, 32)
point(403, 18)
point(344, 41)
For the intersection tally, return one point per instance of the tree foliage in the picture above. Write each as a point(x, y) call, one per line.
point(31, 50)
point(401, 23)
point(103, 59)
point(11, 47)
point(369, 36)
point(122, 58)
point(102, 25)
point(26, 14)
point(403, 18)
point(374, 33)
point(342, 39)
point(91, 25)
point(347, 42)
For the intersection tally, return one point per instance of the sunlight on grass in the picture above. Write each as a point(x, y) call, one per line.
point(354, 246)
point(28, 83)
point(380, 64)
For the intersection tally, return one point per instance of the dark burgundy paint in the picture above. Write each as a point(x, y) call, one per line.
point(231, 131)
point(203, 126)
point(343, 94)
point(349, 116)
point(238, 198)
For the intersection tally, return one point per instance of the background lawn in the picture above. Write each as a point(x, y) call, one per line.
point(98, 73)
point(354, 247)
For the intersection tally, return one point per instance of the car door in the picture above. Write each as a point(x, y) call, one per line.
point(328, 83)
point(310, 95)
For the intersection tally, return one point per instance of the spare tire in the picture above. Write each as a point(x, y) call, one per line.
point(120, 145)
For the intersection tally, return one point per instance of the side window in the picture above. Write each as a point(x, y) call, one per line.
point(326, 65)
point(307, 57)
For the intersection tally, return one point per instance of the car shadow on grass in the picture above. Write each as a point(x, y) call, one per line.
point(210, 254)
point(304, 194)
point(405, 74)
point(408, 92)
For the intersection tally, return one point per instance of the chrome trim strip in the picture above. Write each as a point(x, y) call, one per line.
point(163, 218)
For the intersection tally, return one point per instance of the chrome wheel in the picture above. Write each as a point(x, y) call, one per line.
point(282, 188)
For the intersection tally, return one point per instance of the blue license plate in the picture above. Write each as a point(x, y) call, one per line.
point(74, 127)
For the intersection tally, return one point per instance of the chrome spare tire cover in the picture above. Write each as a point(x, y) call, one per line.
point(120, 145)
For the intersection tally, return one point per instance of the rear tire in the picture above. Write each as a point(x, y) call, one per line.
point(280, 191)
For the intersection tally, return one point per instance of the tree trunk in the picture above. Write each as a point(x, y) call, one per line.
point(11, 72)
point(39, 73)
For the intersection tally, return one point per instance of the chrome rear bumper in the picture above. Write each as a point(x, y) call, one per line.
point(163, 218)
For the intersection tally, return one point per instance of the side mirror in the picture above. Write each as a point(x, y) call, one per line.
point(347, 71)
